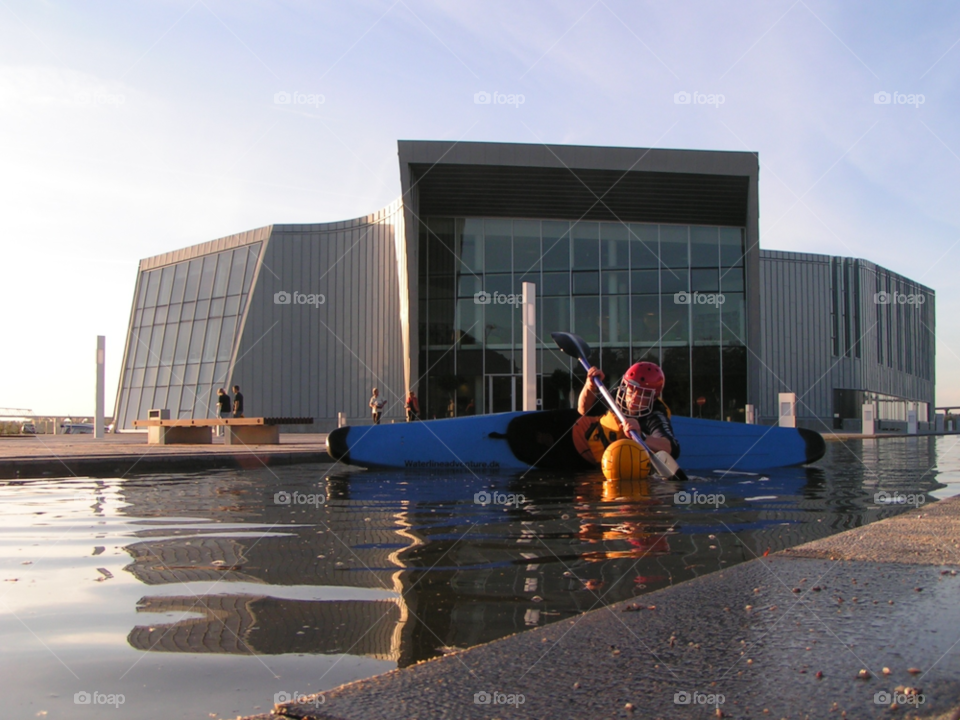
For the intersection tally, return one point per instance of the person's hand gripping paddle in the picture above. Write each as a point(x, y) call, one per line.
point(574, 346)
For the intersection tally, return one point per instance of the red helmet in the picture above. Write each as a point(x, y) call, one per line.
point(640, 386)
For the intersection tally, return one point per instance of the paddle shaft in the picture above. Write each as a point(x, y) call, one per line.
point(657, 463)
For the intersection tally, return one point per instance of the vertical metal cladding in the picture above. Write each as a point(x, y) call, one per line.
point(833, 323)
point(323, 326)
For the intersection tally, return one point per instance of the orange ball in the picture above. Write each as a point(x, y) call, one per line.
point(625, 460)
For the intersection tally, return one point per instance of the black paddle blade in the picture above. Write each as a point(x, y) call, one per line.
point(572, 345)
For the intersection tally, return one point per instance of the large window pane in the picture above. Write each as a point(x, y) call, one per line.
point(732, 313)
point(497, 252)
point(556, 316)
point(731, 247)
point(704, 281)
point(153, 285)
point(706, 382)
point(183, 343)
point(704, 251)
point(645, 281)
point(471, 246)
point(498, 324)
point(166, 284)
point(616, 320)
point(469, 329)
point(440, 329)
point(196, 341)
point(731, 280)
point(468, 286)
point(556, 245)
point(676, 389)
point(674, 280)
point(210, 344)
point(526, 246)
point(614, 245)
point(734, 383)
point(253, 255)
point(616, 282)
point(556, 284)
point(237, 266)
point(227, 332)
point(216, 307)
point(169, 341)
point(156, 341)
point(644, 246)
point(586, 247)
point(646, 319)
point(586, 283)
point(675, 319)
point(179, 282)
point(498, 283)
point(207, 275)
point(160, 316)
point(586, 318)
point(193, 280)
point(706, 320)
point(673, 246)
point(223, 274)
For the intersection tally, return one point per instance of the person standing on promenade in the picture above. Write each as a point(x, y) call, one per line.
point(413, 407)
point(223, 408)
point(376, 406)
point(237, 402)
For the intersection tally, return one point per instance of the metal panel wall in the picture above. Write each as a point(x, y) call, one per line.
point(798, 298)
point(300, 359)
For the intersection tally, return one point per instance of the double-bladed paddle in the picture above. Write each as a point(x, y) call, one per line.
point(575, 346)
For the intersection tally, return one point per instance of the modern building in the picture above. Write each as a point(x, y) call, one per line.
point(646, 253)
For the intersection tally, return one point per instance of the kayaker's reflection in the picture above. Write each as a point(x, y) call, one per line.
point(608, 521)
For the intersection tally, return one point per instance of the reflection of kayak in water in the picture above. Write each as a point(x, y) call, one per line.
point(521, 440)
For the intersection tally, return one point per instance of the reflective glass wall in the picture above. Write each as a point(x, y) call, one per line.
point(184, 328)
point(672, 294)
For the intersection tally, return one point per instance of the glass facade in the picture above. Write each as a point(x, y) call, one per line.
point(672, 294)
point(182, 338)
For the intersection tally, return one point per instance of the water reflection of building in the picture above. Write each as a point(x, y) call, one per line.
point(226, 529)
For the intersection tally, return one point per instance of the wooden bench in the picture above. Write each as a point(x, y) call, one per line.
point(240, 431)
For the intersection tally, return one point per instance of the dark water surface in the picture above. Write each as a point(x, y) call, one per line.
point(196, 595)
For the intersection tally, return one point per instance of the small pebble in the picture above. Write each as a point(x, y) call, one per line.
point(886, 671)
point(863, 675)
point(819, 675)
point(914, 671)
point(628, 707)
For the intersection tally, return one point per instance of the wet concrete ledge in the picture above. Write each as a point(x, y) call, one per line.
point(123, 465)
point(126, 454)
point(829, 629)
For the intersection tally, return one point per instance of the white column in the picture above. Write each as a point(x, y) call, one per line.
point(868, 415)
point(529, 309)
point(911, 418)
point(788, 410)
point(101, 363)
point(751, 415)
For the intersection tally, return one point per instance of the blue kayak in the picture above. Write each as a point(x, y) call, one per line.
point(524, 440)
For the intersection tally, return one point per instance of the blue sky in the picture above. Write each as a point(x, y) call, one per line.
point(131, 129)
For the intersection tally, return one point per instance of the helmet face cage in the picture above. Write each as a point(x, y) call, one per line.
point(640, 400)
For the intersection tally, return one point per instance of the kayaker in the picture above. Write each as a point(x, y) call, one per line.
point(376, 406)
point(638, 398)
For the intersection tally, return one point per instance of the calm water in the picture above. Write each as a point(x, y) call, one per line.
point(207, 593)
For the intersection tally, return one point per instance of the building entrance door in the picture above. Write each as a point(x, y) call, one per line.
point(503, 392)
